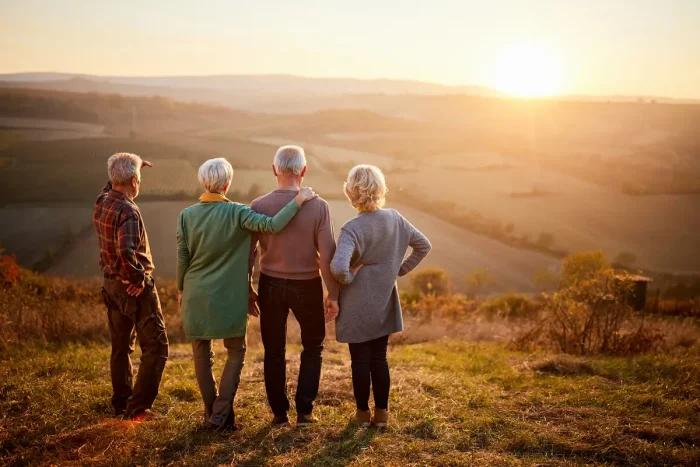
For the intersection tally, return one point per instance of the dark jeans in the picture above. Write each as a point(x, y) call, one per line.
point(131, 317)
point(369, 364)
point(305, 299)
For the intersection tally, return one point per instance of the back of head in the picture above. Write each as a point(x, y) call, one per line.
point(366, 188)
point(290, 160)
point(122, 167)
point(215, 175)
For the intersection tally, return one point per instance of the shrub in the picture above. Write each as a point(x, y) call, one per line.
point(479, 281)
point(510, 307)
point(431, 281)
point(591, 316)
point(582, 267)
point(451, 308)
point(9, 270)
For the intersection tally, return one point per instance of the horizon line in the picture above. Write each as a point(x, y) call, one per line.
point(405, 80)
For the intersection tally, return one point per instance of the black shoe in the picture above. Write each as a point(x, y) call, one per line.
point(280, 420)
point(119, 412)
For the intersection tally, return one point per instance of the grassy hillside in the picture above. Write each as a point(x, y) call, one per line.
point(453, 403)
point(462, 393)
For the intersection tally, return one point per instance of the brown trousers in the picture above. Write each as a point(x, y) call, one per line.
point(131, 317)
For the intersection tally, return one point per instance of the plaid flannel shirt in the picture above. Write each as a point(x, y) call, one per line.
point(121, 234)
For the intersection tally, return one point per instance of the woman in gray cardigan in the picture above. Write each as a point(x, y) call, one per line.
point(369, 257)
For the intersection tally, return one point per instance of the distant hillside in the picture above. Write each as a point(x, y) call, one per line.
point(155, 114)
point(262, 84)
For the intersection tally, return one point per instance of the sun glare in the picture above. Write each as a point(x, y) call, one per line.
point(526, 70)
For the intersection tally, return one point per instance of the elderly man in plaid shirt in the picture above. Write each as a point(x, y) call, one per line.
point(129, 292)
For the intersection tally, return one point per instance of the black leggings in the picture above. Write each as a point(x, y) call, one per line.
point(369, 364)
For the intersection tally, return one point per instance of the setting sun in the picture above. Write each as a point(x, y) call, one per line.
point(526, 70)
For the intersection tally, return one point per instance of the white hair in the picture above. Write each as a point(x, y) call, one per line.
point(290, 160)
point(366, 188)
point(122, 167)
point(215, 174)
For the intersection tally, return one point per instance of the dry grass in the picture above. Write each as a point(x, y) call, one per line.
point(453, 403)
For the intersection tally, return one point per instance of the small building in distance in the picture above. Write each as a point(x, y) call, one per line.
point(636, 287)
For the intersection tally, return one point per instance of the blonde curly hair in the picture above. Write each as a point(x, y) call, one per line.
point(366, 188)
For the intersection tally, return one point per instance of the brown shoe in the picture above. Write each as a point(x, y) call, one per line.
point(144, 416)
point(280, 420)
point(380, 418)
point(364, 417)
point(305, 420)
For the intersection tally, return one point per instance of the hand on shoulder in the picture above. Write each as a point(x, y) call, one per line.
point(304, 195)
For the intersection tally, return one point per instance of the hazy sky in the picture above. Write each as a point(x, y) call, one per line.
point(597, 47)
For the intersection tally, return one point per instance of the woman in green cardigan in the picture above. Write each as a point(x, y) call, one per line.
point(213, 245)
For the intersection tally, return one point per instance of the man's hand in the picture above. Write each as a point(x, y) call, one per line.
point(332, 309)
point(356, 269)
point(147, 164)
point(179, 300)
point(136, 290)
point(253, 308)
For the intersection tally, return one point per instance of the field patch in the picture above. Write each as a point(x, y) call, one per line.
point(46, 129)
point(659, 230)
point(75, 170)
point(35, 233)
point(171, 177)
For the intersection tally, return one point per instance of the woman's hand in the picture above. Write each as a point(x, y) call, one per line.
point(356, 269)
point(332, 309)
point(179, 300)
point(305, 194)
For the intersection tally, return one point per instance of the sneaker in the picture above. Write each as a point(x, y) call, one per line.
point(119, 412)
point(380, 418)
point(364, 417)
point(280, 420)
point(305, 420)
point(144, 416)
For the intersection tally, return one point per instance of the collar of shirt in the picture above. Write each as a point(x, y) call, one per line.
point(119, 195)
point(213, 198)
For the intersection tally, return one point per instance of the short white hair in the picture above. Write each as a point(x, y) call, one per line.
point(366, 188)
point(290, 160)
point(122, 167)
point(215, 174)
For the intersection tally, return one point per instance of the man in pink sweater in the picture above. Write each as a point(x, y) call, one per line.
point(292, 263)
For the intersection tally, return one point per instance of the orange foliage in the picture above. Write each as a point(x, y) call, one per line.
point(9, 270)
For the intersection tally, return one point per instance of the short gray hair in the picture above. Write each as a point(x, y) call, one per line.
point(290, 160)
point(215, 174)
point(122, 167)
